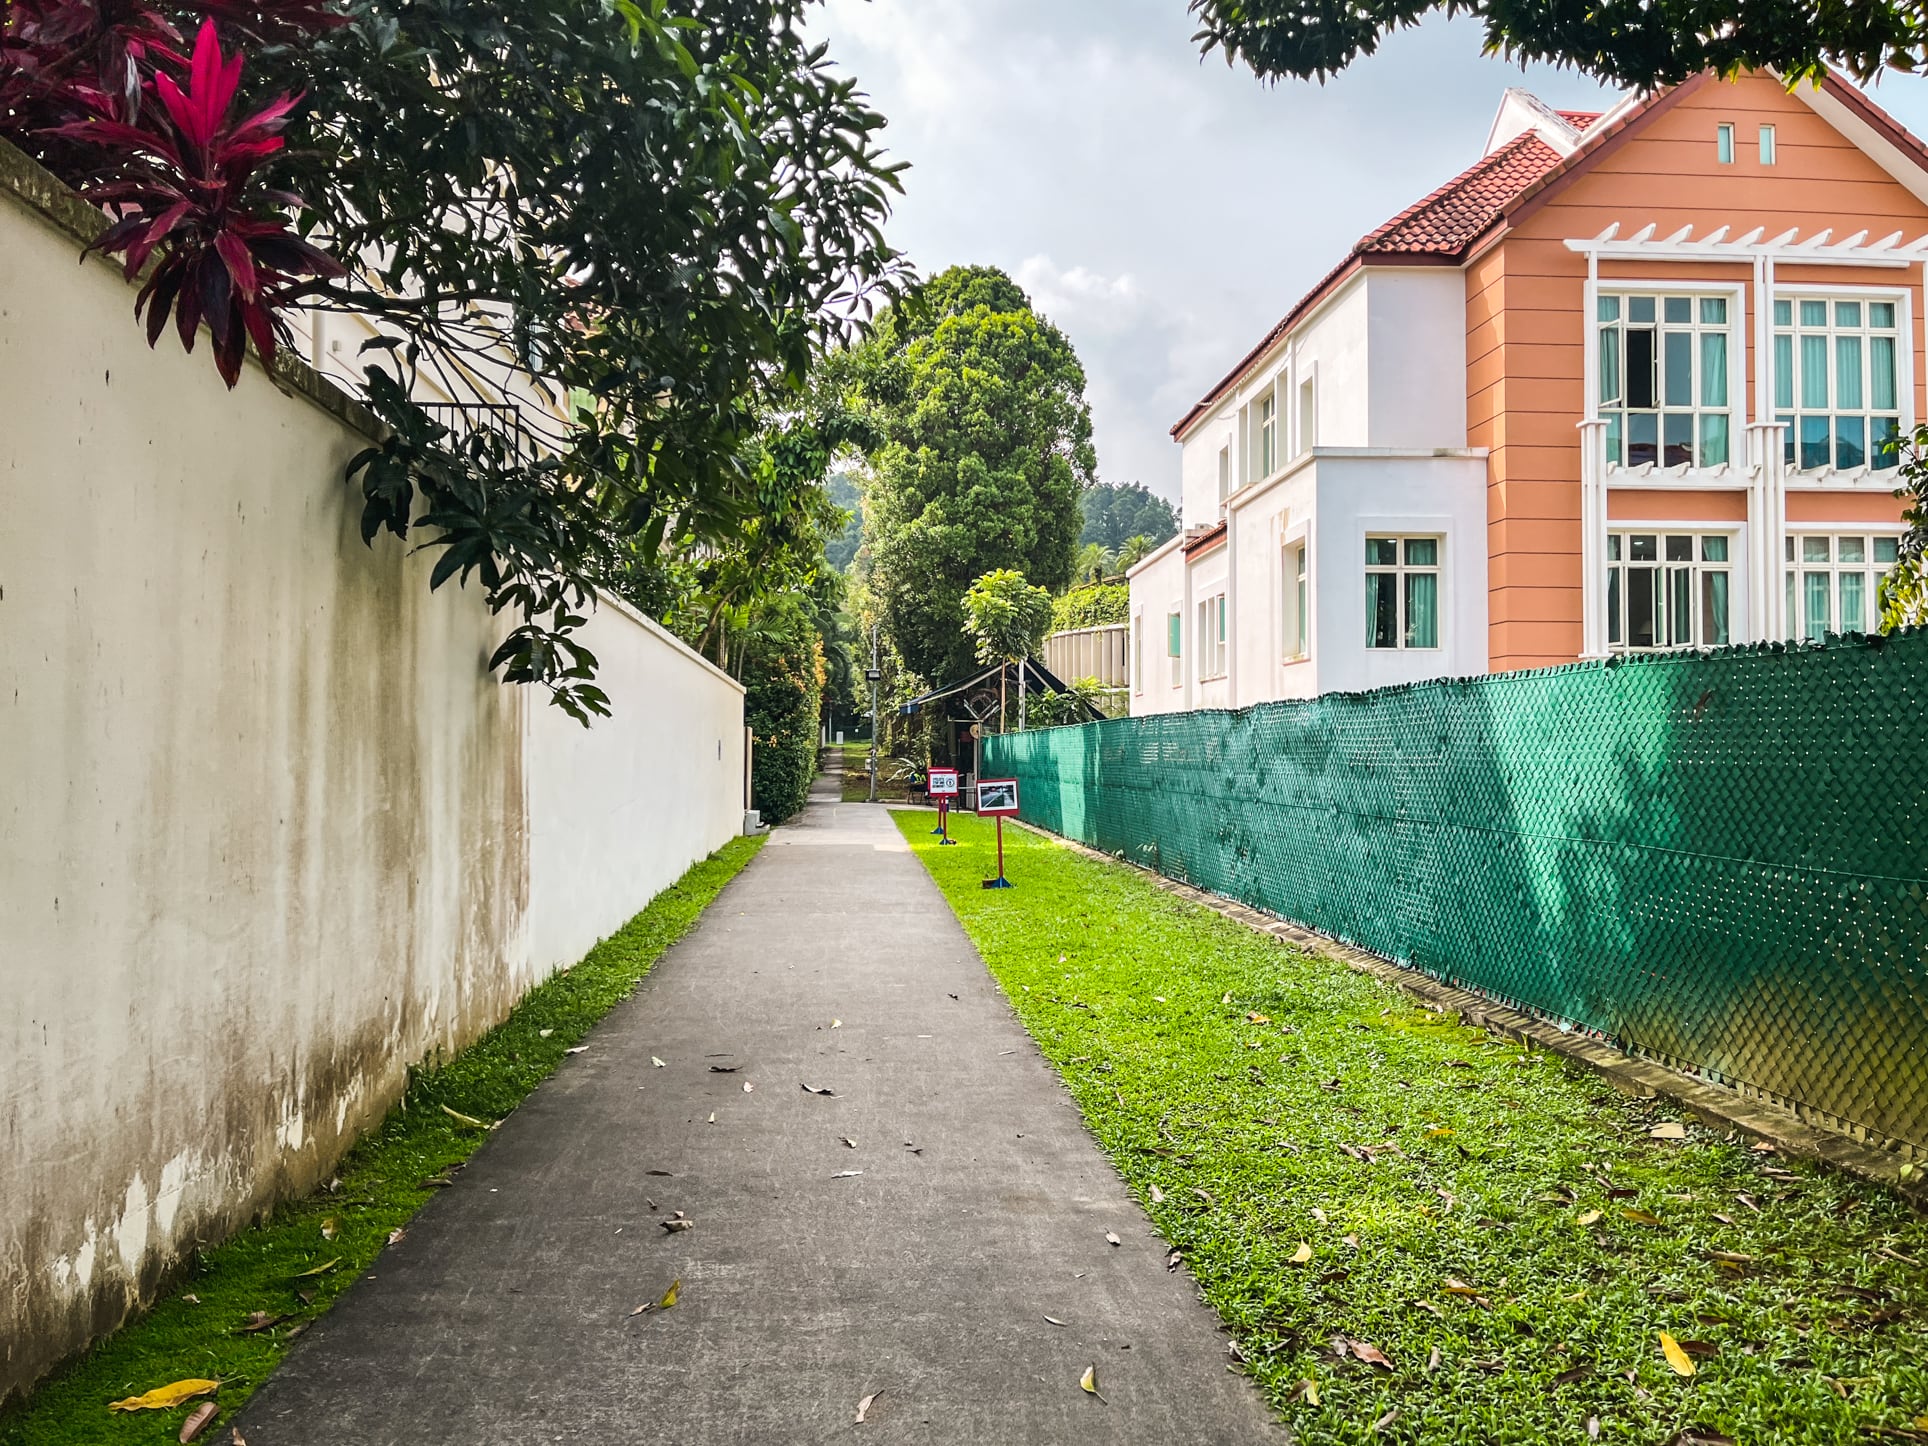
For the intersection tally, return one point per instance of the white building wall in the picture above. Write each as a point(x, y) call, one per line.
point(269, 831)
point(1416, 376)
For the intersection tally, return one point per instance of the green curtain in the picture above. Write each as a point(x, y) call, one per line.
point(1422, 609)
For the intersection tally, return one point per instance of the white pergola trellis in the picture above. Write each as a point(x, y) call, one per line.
point(1820, 249)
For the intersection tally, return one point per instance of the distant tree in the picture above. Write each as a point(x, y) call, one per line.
point(987, 446)
point(1006, 619)
point(840, 551)
point(1135, 551)
point(1091, 607)
point(1115, 512)
point(1638, 43)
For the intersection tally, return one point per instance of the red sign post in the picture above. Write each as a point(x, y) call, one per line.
point(943, 788)
point(998, 798)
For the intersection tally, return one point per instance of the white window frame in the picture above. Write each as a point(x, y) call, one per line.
point(1175, 644)
point(1295, 598)
point(1211, 637)
point(1724, 143)
point(1266, 435)
point(1796, 567)
point(1904, 373)
point(1616, 414)
point(1308, 418)
point(1618, 552)
point(1400, 571)
point(1770, 150)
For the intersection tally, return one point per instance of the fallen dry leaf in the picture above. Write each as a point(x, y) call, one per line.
point(836, 1024)
point(1369, 1353)
point(1588, 1218)
point(1593, 1428)
point(544, 1033)
point(1089, 1382)
point(163, 1398)
point(192, 1299)
point(198, 1420)
point(1640, 1217)
point(1681, 1362)
point(328, 1228)
point(645, 1306)
point(668, 1302)
point(461, 1119)
point(1157, 1195)
point(579, 1049)
point(1457, 1287)
point(1054, 1320)
point(846, 1174)
point(1113, 1238)
point(259, 1320)
point(812, 1089)
point(849, 1143)
point(657, 1063)
point(1307, 1390)
point(678, 1221)
point(1386, 1420)
point(1301, 1255)
point(863, 1406)
point(725, 1068)
point(1730, 1257)
point(396, 1236)
point(748, 1088)
point(322, 1269)
point(1257, 1019)
point(712, 1119)
point(1669, 1130)
point(1432, 1360)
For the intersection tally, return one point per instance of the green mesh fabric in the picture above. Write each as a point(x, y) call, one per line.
point(1721, 860)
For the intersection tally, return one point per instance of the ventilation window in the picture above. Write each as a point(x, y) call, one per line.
point(1767, 145)
point(1724, 144)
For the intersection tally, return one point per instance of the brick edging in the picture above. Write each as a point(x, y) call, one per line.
point(1710, 1103)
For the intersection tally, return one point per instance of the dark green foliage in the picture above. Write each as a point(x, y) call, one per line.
point(840, 551)
point(1639, 43)
point(783, 680)
point(1456, 1192)
point(1091, 607)
point(987, 445)
point(1116, 512)
point(381, 1187)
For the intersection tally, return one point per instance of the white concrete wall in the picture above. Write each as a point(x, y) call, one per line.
point(1416, 369)
point(269, 832)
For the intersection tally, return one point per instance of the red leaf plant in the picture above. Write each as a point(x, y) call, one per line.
point(183, 182)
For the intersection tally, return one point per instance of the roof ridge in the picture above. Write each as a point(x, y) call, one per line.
point(1491, 161)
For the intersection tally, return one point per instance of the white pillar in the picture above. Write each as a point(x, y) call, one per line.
point(1593, 538)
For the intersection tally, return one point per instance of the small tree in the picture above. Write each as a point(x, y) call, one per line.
point(1904, 591)
point(1006, 618)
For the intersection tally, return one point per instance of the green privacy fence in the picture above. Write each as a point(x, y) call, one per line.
point(1717, 859)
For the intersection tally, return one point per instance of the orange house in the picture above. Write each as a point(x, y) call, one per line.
point(1632, 381)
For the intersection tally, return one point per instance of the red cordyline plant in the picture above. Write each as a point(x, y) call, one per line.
point(180, 176)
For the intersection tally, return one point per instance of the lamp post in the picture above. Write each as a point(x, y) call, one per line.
point(876, 677)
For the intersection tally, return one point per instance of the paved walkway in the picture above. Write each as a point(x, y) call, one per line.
point(982, 1208)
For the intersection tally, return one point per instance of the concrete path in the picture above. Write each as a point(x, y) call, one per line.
point(981, 1208)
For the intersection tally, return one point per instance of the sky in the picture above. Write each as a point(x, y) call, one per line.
point(1165, 210)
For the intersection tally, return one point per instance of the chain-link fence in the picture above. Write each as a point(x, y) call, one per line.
point(1720, 860)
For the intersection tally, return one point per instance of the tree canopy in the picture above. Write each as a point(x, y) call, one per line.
point(986, 447)
point(1639, 43)
point(1116, 512)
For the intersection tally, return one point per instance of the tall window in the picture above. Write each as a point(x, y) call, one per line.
point(1724, 144)
point(1402, 592)
point(1832, 581)
point(1211, 637)
point(1309, 413)
point(1668, 590)
point(1224, 476)
point(1268, 434)
point(1296, 597)
point(1835, 382)
point(1138, 653)
point(1767, 145)
point(1663, 379)
point(1175, 646)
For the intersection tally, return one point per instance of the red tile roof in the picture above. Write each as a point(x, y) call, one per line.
point(1441, 226)
point(1579, 119)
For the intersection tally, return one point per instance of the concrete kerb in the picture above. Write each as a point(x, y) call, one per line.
point(1713, 1105)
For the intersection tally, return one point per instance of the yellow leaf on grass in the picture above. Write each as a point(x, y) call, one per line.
point(1682, 1363)
point(1436, 1132)
point(162, 1398)
point(461, 1119)
point(669, 1296)
point(322, 1269)
point(1256, 1018)
point(1588, 1218)
point(1641, 1217)
point(1302, 1254)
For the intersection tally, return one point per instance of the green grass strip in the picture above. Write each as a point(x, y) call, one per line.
point(1499, 1224)
point(317, 1246)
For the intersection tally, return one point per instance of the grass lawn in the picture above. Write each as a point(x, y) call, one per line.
point(293, 1267)
point(1497, 1228)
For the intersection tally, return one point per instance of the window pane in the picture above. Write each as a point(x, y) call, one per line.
point(1713, 311)
point(1784, 313)
point(1884, 439)
point(1793, 614)
point(1609, 308)
point(1422, 552)
point(1613, 437)
point(1847, 372)
point(1680, 549)
point(1382, 610)
point(1724, 145)
point(1382, 551)
point(1713, 549)
point(1174, 635)
point(1814, 549)
point(1814, 442)
point(1881, 313)
point(1678, 308)
point(1881, 373)
point(1815, 615)
point(1680, 606)
point(1422, 609)
point(1713, 439)
point(1713, 368)
point(1640, 366)
point(1679, 368)
point(1609, 363)
point(1640, 308)
point(1643, 438)
point(1713, 609)
point(1783, 368)
point(1679, 430)
point(1854, 616)
point(1767, 145)
point(1850, 442)
point(1641, 583)
point(1887, 550)
point(1613, 547)
point(1847, 313)
point(1814, 313)
point(1787, 440)
point(1790, 549)
point(1814, 371)
point(1643, 547)
point(1613, 607)
point(1851, 549)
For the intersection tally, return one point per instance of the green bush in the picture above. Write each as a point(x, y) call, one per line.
point(1091, 607)
point(783, 677)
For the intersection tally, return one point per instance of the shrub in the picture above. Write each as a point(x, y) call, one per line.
point(783, 677)
point(1091, 607)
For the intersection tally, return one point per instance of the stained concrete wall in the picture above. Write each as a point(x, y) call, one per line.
point(269, 831)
